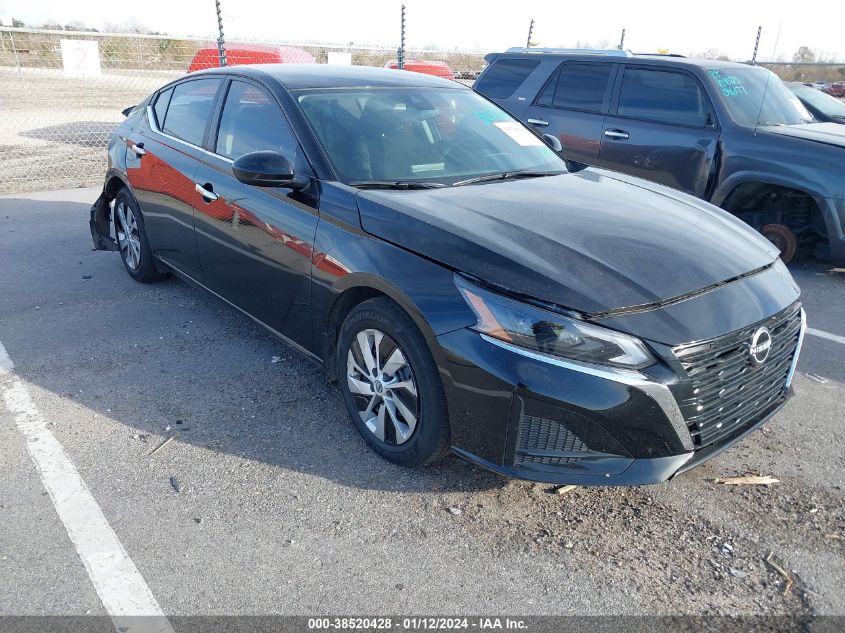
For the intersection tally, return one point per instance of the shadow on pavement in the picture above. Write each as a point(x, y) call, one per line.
point(80, 133)
point(167, 354)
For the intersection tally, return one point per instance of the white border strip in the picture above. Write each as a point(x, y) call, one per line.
point(826, 335)
point(122, 590)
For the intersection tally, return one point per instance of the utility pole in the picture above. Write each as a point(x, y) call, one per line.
point(530, 33)
point(756, 46)
point(400, 54)
point(221, 42)
point(622, 41)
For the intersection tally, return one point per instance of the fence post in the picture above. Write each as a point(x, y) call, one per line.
point(221, 42)
point(15, 51)
point(756, 46)
point(400, 54)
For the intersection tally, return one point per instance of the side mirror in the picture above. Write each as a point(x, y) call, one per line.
point(266, 169)
point(553, 142)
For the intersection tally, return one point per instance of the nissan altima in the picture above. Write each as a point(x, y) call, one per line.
point(465, 286)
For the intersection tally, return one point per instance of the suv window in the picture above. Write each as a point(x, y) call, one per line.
point(505, 75)
point(578, 87)
point(665, 96)
point(251, 122)
point(160, 107)
point(190, 108)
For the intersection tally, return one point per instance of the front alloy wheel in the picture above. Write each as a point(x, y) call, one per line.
point(383, 385)
point(391, 385)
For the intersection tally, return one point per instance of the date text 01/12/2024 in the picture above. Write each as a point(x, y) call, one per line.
point(416, 623)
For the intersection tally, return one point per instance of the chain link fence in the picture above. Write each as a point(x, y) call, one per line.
point(61, 97)
point(62, 92)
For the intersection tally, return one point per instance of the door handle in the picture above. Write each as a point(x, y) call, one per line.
point(538, 122)
point(138, 148)
point(208, 196)
point(617, 134)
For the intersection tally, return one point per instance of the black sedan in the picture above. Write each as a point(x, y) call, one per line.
point(822, 106)
point(464, 289)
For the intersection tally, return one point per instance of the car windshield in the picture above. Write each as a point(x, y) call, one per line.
point(824, 103)
point(742, 91)
point(421, 135)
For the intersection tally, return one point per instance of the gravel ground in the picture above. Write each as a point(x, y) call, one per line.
point(282, 509)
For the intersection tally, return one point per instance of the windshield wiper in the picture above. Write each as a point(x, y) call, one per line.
point(395, 184)
point(507, 175)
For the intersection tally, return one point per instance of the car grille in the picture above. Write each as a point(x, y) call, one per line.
point(728, 393)
point(538, 438)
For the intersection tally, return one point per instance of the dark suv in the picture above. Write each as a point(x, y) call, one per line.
point(700, 126)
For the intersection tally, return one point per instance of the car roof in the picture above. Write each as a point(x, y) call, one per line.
point(303, 76)
point(625, 57)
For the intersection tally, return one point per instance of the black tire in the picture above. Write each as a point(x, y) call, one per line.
point(139, 263)
point(429, 439)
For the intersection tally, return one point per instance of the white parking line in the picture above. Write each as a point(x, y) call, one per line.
point(826, 335)
point(122, 590)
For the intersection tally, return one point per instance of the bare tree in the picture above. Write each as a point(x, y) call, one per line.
point(804, 55)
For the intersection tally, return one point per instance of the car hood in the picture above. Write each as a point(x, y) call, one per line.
point(828, 133)
point(592, 241)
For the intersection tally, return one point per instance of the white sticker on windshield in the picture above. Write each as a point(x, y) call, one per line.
point(518, 133)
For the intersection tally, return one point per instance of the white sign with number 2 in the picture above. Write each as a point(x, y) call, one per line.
point(81, 58)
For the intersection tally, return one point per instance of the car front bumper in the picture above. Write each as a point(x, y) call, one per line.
point(527, 415)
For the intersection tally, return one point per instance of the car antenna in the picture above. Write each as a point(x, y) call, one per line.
point(769, 76)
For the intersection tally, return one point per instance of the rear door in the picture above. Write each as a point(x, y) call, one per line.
point(501, 80)
point(255, 243)
point(662, 128)
point(572, 106)
point(161, 162)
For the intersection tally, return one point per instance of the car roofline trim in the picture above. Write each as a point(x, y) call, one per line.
point(154, 127)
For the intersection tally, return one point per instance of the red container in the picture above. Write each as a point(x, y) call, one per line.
point(238, 53)
point(425, 66)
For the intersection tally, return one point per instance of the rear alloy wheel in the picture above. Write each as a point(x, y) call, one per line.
point(128, 235)
point(391, 384)
point(132, 239)
point(383, 386)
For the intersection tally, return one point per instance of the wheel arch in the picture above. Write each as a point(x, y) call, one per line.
point(353, 290)
point(737, 197)
point(752, 176)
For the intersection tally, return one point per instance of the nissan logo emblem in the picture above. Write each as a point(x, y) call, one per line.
point(761, 345)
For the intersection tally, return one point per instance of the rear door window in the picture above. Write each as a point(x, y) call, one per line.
point(578, 86)
point(160, 107)
point(505, 76)
point(664, 96)
point(252, 121)
point(190, 109)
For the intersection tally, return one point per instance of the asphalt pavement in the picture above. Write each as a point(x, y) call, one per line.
point(268, 502)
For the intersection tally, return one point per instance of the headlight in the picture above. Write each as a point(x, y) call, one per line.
point(550, 333)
